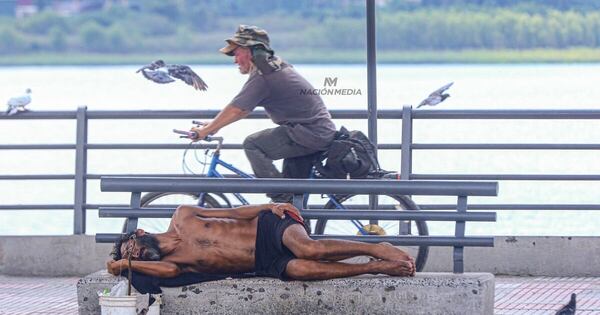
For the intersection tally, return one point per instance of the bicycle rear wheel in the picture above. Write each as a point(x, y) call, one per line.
point(384, 227)
point(165, 200)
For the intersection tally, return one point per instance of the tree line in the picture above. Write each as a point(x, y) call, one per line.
point(179, 27)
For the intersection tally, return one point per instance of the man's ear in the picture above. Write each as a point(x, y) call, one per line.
point(139, 232)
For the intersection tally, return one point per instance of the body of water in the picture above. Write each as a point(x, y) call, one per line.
point(475, 87)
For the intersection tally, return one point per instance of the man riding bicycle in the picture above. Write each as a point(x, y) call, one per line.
point(305, 125)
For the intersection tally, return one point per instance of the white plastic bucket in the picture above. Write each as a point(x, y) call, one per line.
point(118, 305)
point(125, 305)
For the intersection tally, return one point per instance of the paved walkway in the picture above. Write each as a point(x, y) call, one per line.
point(514, 295)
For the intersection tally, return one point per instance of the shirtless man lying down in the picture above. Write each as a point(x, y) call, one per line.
point(269, 240)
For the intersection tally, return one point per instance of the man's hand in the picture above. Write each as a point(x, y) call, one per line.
point(115, 267)
point(279, 209)
point(201, 132)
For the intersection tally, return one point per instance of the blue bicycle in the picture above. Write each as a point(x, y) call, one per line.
point(212, 160)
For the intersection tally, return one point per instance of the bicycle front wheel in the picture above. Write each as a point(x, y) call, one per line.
point(383, 227)
point(165, 200)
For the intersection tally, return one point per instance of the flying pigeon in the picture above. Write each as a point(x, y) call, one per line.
point(437, 96)
point(162, 73)
point(569, 308)
point(17, 104)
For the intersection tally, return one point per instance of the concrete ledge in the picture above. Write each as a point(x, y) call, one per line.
point(52, 256)
point(427, 293)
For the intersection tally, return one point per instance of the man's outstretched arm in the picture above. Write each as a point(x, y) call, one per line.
point(241, 213)
point(228, 115)
point(160, 269)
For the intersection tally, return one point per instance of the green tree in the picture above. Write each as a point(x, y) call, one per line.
point(42, 23)
point(58, 39)
point(93, 37)
point(12, 41)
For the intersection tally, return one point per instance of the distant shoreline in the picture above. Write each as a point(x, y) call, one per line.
point(571, 55)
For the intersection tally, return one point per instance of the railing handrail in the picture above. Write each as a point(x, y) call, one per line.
point(504, 114)
point(296, 186)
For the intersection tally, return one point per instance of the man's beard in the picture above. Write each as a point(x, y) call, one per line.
point(151, 250)
point(251, 68)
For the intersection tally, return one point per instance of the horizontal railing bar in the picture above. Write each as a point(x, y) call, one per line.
point(143, 146)
point(38, 207)
point(311, 186)
point(37, 177)
point(507, 114)
point(425, 207)
point(573, 177)
point(396, 240)
point(37, 146)
point(338, 114)
point(428, 207)
point(383, 146)
point(55, 114)
point(501, 207)
point(504, 146)
point(99, 176)
point(415, 240)
point(139, 146)
point(209, 114)
point(324, 214)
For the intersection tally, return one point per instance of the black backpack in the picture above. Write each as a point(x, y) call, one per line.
point(351, 155)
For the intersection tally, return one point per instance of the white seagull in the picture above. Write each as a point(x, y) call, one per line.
point(17, 104)
point(436, 96)
point(162, 73)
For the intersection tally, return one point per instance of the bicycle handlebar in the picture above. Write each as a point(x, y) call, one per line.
point(194, 136)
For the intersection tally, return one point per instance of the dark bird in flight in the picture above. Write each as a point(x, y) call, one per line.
point(17, 104)
point(437, 96)
point(162, 73)
point(569, 308)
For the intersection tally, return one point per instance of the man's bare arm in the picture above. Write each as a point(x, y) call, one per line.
point(240, 213)
point(228, 115)
point(161, 269)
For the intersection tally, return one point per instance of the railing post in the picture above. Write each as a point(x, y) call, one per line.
point(406, 158)
point(372, 85)
point(80, 171)
point(406, 146)
point(459, 232)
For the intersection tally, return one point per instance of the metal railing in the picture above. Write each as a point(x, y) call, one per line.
point(407, 115)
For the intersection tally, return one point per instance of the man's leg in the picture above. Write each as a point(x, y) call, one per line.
point(303, 269)
point(266, 146)
point(297, 241)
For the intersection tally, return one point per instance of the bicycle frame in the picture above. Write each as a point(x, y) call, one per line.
point(213, 173)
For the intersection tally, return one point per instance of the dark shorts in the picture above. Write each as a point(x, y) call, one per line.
point(271, 256)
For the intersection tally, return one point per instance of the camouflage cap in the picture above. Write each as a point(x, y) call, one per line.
point(247, 36)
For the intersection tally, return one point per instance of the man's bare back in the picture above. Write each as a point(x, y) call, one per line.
point(225, 241)
point(214, 245)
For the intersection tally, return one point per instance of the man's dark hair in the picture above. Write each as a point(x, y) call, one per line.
point(149, 241)
point(116, 252)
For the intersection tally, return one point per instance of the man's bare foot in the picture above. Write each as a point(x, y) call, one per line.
point(396, 254)
point(395, 268)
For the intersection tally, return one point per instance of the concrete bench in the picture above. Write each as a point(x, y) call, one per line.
point(426, 293)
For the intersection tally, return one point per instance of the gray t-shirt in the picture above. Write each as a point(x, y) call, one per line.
point(281, 94)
